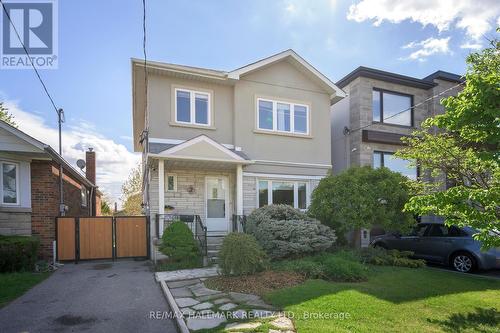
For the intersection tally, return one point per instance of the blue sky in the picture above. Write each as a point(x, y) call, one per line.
point(97, 38)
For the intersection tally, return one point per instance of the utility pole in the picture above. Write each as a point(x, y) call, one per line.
point(62, 210)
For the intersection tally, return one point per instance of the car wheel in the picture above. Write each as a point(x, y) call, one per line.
point(463, 262)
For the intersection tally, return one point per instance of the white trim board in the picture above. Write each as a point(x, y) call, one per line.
point(280, 176)
point(270, 162)
point(179, 141)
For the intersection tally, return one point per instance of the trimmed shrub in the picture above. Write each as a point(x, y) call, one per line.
point(294, 238)
point(383, 257)
point(328, 266)
point(273, 212)
point(179, 245)
point(240, 254)
point(285, 232)
point(308, 267)
point(340, 269)
point(18, 253)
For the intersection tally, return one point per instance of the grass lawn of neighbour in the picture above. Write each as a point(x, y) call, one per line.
point(13, 285)
point(395, 300)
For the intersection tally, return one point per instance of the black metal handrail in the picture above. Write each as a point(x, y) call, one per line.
point(194, 223)
point(239, 223)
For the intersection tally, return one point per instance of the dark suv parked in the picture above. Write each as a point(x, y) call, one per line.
point(438, 243)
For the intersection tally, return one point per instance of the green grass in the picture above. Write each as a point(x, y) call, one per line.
point(396, 300)
point(13, 285)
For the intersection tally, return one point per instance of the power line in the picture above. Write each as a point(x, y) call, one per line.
point(31, 60)
point(400, 112)
point(146, 118)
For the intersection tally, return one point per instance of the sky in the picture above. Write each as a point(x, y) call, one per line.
point(97, 38)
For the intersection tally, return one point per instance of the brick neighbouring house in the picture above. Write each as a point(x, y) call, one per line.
point(29, 188)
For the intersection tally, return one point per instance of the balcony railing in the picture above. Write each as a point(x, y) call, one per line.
point(239, 223)
point(194, 222)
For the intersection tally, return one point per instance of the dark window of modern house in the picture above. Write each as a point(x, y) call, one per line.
point(388, 160)
point(392, 108)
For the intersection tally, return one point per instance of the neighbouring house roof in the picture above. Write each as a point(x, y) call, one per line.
point(425, 83)
point(219, 76)
point(46, 150)
point(199, 148)
point(447, 76)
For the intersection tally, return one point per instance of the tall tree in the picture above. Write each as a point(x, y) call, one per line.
point(132, 192)
point(6, 116)
point(464, 145)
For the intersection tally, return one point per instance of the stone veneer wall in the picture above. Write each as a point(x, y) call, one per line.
point(15, 223)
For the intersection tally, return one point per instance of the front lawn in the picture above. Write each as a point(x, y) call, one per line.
point(394, 300)
point(13, 285)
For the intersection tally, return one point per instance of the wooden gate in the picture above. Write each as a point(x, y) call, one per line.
point(102, 237)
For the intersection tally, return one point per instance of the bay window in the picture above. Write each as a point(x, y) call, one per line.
point(282, 192)
point(282, 117)
point(192, 107)
point(9, 178)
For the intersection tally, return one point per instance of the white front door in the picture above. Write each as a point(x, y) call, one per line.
point(217, 204)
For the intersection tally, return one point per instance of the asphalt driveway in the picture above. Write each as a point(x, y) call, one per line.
point(92, 297)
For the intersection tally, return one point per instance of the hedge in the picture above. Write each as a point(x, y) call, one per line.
point(18, 253)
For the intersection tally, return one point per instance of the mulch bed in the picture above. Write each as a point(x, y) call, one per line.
point(258, 284)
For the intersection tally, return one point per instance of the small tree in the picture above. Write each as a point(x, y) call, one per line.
point(464, 145)
point(362, 197)
point(6, 116)
point(132, 192)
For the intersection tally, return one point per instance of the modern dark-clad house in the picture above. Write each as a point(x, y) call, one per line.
point(380, 108)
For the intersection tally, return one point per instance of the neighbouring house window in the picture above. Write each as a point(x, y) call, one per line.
point(282, 192)
point(10, 183)
point(192, 107)
point(388, 160)
point(171, 183)
point(84, 196)
point(283, 117)
point(392, 108)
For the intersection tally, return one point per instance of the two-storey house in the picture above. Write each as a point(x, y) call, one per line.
point(380, 108)
point(218, 144)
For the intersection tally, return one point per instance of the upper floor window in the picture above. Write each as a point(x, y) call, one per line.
point(392, 108)
point(192, 107)
point(388, 160)
point(9, 178)
point(283, 117)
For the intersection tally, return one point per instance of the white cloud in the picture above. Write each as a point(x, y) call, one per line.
point(114, 161)
point(307, 11)
point(475, 17)
point(427, 47)
point(471, 45)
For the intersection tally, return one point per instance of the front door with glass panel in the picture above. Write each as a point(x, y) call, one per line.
point(217, 197)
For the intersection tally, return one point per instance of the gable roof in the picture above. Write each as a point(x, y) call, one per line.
point(202, 148)
point(45, 148)
point(297, 60)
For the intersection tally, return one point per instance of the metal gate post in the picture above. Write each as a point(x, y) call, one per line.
point(77, 239)
point(113, 237)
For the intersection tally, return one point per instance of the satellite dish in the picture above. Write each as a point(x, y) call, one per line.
point(81, 164)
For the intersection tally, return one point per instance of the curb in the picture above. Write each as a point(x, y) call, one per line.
point(487, 277)
point(181, 325)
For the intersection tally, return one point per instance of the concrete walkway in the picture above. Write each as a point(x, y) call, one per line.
point(92, 297)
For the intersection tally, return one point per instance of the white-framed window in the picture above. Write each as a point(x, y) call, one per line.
point(171, 182)
point(192, 107)
point(293, 193)
point(9, 179)
point(283, 117)
point(84, 196)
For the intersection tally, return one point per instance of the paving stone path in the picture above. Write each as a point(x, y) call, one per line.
point(204, 308)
